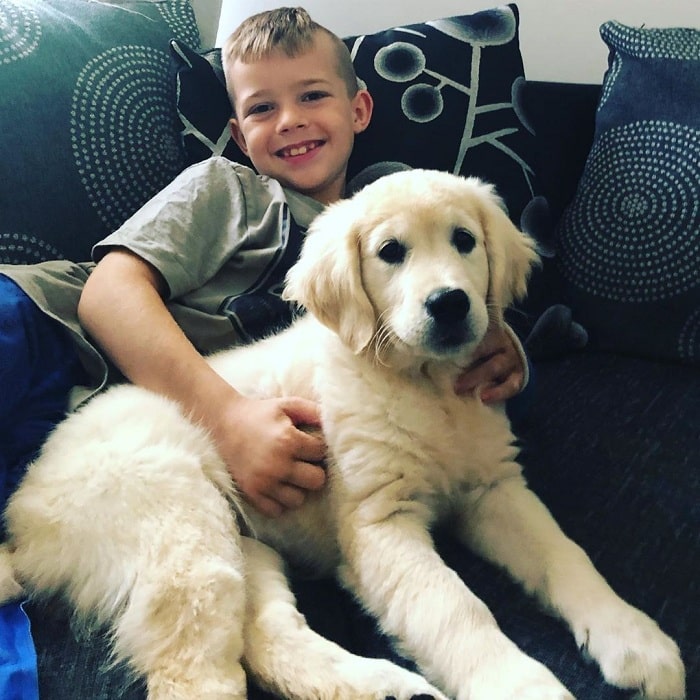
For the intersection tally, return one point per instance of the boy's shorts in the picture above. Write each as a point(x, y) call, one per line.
point(38, 368)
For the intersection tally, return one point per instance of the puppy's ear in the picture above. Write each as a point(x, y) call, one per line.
point(511, 254)
point(327, 278)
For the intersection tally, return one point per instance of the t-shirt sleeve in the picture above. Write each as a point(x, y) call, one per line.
point(194, 225)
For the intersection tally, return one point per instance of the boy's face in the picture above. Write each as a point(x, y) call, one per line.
point(295, 120)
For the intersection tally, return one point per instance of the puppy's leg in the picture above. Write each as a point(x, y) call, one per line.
point(129, 523)
point(182, 626)
point(392, 565)
point(291, 660)
point(508, 525)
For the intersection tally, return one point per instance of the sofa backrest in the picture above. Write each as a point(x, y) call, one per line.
point(563, 117)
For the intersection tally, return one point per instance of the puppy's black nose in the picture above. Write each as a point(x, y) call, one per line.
point(448, 305)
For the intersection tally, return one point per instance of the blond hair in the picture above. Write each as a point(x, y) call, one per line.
point(287, 29)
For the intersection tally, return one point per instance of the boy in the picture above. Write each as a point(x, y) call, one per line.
point(201, 265)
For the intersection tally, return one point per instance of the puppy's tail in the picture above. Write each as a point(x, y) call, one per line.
point(9, 588)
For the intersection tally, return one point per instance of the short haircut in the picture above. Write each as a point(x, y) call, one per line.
point(287, 29)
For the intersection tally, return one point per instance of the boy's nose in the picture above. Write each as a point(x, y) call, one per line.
point(291, 117)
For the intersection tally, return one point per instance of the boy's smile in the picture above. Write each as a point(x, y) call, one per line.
point(299, 150)
point(295, 119)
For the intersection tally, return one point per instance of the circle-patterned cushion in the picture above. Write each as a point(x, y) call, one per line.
point(88, 120)
point(629, 243)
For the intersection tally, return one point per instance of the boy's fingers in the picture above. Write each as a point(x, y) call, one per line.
point(292, 494)
point(495, 371)
point(265, 505)
point(302, 411)
point(310, 447)
point(309, 477)
point(474, 376)
point(289, 497)
point(502, 391)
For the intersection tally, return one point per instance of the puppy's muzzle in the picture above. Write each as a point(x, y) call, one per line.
point(449, 328)
point(448, 306)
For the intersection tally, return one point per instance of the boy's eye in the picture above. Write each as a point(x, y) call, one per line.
point(314, 95)
point(463, 240)
point(392, 252)
point(259, 109)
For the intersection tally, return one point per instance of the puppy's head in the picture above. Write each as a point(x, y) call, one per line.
point(415, 264)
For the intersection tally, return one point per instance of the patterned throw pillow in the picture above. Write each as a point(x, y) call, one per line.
point(447, 95)
point(630, 242)
point(88, 120)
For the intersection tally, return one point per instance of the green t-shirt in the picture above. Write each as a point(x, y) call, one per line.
point(223, 239)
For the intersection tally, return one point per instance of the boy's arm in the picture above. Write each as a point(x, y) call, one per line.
point(269, 457)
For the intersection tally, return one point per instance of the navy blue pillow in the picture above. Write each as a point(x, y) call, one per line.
point(88, 121)
point(448, 96)
point(629, 244)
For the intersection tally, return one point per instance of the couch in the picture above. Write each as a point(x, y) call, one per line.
point(610, 438)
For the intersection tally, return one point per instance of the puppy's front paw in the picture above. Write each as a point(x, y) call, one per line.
point(634, 653)
point(378, 679)
point(516, 676)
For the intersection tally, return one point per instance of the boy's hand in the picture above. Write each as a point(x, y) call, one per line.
point(269, 457)
point(272, 460)
point(497, 370)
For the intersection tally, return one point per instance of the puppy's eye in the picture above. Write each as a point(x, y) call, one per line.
point(463, 240)
point(392, 252)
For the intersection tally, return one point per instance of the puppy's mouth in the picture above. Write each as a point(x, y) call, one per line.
point(298, 149)
point(430, 341)
point(449, 339)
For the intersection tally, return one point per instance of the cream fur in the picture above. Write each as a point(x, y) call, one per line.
point(130, 513)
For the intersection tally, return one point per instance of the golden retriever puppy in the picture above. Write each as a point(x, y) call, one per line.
point(130, 513)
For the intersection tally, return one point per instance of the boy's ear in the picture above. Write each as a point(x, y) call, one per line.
point(362, 104)
point(237, 135)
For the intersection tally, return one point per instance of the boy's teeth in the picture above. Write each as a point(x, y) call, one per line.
point(300, 150)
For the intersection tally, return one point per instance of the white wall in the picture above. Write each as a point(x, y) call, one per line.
point(559, 38)
point(207, 15)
